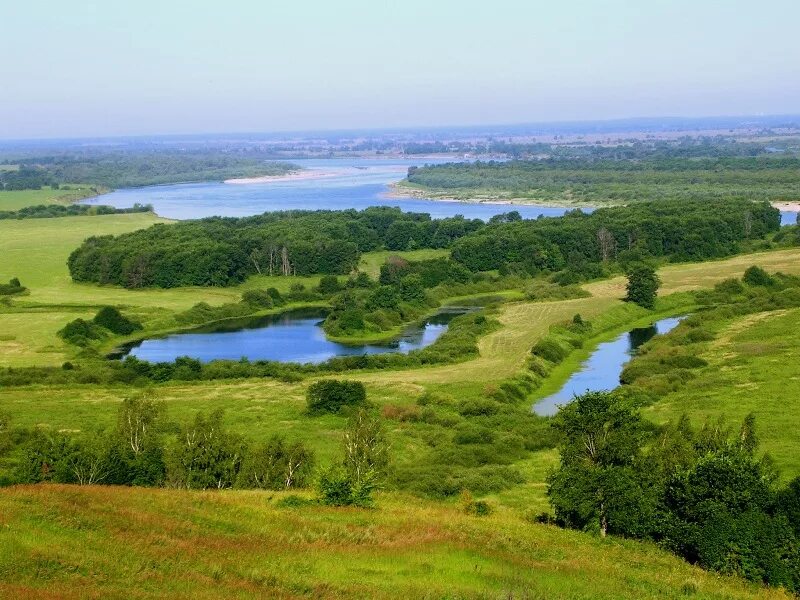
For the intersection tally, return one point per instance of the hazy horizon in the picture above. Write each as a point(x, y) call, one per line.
point(99, 70)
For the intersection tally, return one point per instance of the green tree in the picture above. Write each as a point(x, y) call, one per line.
point(595, 486)
point(643, 284)
point(206, 454)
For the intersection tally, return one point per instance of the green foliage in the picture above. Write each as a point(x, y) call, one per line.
point(704, 495)
point(550, 349)
point(643, 284)
point(331, 395)
point(12, 287)
point(757, 276)
point(110, 318)
point(223, 252)
point(49, 211)
point(679, 230)
point(258, 299)
point(277, 465)
point(633, 173)
point(81, 332)
point(206, 455)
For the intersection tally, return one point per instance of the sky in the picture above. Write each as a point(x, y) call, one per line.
point(77, 68)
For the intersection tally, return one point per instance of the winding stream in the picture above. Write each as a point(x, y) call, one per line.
point(602, 369)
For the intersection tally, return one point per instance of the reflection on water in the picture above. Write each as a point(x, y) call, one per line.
point(292, 336)
point(603, 368)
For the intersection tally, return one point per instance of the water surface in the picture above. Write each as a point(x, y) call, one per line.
point(293, 336)
point(358, 183)
point(603, 368)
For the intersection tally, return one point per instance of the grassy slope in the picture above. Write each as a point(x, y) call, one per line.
point(21, 198)
point(754, 366)
point(77, 542)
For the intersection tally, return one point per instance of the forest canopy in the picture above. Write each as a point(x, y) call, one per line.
point(225, 251)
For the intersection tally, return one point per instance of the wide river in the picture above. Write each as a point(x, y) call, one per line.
point(348, 183)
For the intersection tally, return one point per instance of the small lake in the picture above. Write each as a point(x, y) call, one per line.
point(293, 336)
point(603, 368)
point(349, 183)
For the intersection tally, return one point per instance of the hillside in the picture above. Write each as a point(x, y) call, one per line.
point(106, 542)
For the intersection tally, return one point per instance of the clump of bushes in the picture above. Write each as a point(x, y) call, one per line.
point(332, 395)
point(113, 320)
point(550, 350)
point(12, 287)
point(81, 332)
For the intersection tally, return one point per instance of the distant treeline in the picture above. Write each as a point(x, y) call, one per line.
point(115, 170)
point(769, 178)
point(225, 251)
point(42, 211)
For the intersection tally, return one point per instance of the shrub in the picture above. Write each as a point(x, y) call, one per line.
point(113, 320)
point(80, 332)
point(258, 298)
point(331, 395)
point(758, 277)
point(328, 284)
point(550, 350)
point(336, 487)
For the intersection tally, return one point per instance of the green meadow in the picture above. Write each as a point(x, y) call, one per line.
point(191, 544)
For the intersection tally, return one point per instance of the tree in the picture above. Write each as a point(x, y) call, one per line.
point(366, 452)
point(277, 465)
point(206, 455)
point(595, 485)
point(643, 284)
point(136, 421)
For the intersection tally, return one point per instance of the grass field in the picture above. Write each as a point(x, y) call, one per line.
point(95, 542)
point(754, 366)
point(17, 199)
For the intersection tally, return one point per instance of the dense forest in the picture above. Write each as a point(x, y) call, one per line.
point(132, 169)
point(225, 251)
point(590, 180)
point(676, 230)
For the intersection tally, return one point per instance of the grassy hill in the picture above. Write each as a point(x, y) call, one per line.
point(106, 542)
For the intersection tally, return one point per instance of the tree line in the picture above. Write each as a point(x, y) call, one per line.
point(143, 448)
point(225, 251)
point(602, 180)
point(580, 244)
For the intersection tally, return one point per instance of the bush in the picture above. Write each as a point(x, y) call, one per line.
point(550, 350)
point(337, 488)
point(113, 320)
point(258, 299)
point(758, 277)
point(331, 395)
point(80, 332)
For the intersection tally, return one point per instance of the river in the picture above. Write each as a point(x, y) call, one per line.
point(602, 369)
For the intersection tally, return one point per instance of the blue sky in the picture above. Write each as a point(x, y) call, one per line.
point(140, 67)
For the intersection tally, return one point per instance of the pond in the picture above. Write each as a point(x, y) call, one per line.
point(293, 336)
point(603, 368)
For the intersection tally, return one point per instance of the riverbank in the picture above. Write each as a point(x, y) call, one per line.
point(297, 175)
point(405, 191)
point(787, 206)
